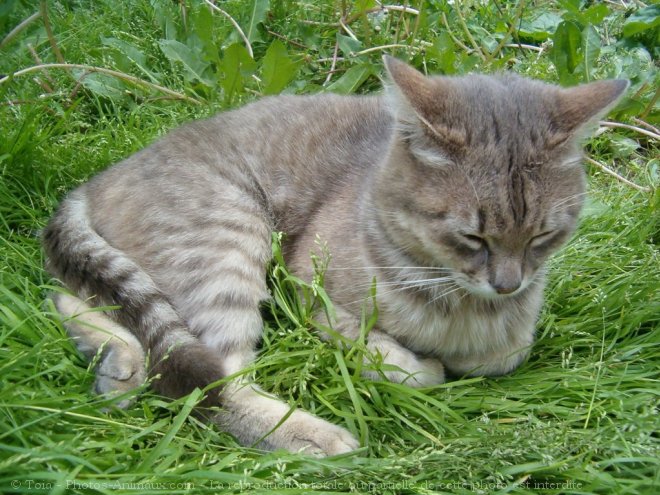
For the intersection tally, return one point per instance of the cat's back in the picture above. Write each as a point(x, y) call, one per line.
point(291, 151)
point(296, 149)
point(309, 148)
point(280, 130)
point(311, 138)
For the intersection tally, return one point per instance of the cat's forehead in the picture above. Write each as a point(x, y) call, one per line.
point(513, 201)
point(498, 91)
point(505, 99)
point(505, 117)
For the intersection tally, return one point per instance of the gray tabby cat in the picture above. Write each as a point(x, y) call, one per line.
point(449, 192)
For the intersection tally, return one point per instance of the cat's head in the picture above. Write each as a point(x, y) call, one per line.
point(484, 175)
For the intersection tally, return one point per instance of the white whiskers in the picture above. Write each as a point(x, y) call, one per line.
point(432, 285)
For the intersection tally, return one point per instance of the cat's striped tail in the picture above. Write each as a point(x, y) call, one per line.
point(95, 270)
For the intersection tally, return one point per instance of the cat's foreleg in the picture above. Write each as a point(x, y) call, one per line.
point(388, 357)
point(401, 365)
point(257, 418)
point(121, 366)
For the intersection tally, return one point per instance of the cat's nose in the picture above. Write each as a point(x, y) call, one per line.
point(507, 275)
point(506, 289)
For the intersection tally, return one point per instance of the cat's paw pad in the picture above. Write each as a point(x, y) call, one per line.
point(404, 366)
point(120, 371)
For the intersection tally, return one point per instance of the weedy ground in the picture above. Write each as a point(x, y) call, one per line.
point(580, 416)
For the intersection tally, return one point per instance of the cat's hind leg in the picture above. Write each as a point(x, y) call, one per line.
point(230, 325)
point(121, 366)
point(217, 282)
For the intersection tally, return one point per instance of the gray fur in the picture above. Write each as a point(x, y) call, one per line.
point(450, 192)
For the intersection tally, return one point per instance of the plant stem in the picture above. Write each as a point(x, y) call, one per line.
point(12, 34)
point(49, 32)
point(109, 72)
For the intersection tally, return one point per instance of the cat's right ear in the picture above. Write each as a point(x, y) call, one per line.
point(581, 106)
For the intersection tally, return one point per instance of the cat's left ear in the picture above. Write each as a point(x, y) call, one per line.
point(419, 103)
point(413, 87)
point(582, 105)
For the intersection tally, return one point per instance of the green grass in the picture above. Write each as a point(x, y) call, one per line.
point(580, 416)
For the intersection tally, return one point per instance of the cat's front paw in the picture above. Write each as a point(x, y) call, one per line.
point(401, 365)
point(260, 424)
point(120, 370)
point(257, 419)
point(305, 433)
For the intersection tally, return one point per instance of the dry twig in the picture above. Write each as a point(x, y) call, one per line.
point(519, 12)
point(334, 63)
point(453, 36)
point(45, 86)
point(619, 125)
point(620, 178)
point(523, 45)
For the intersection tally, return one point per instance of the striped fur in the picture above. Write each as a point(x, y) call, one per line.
point(450, 192)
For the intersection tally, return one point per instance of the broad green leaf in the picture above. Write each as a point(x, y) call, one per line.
point(592, 15)
point(6, 9)
point(571, 8)
point(193, 64)
point(362, 5)
point(486, 39)
point(654, 171)
point(467, 63)
point(258, 11)
point(348, 45)
point(566, 50)
point(595, 14)
point(278, 69)
point(131, 53)
point(539, 27)
point(443, 52)
point(201, 20)
point(164, 16)
point(642, 20)
point(103, 85)
point(623, 147)
point(235, 67)
point(351, 80)
point(590, 50)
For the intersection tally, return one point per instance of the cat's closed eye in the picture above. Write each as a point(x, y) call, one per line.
point(467, 245)
point(474, 241)
point(546, 240)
